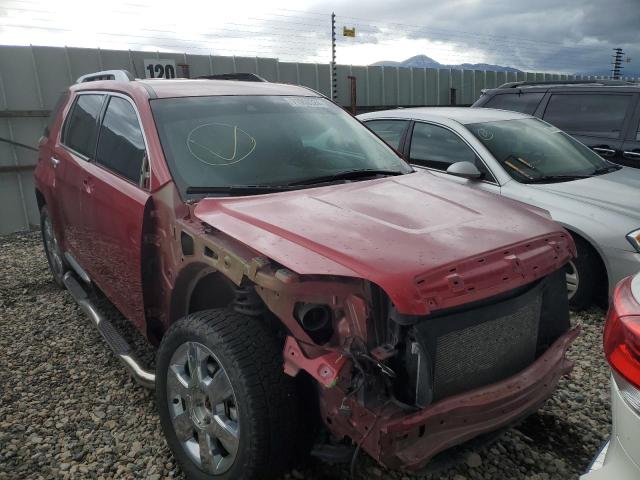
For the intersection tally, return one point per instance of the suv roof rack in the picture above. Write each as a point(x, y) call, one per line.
point(245, 77)
point(117, 75)
point(566, 82)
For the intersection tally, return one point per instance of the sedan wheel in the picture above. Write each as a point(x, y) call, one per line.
point(573, 279)
point(584, 276)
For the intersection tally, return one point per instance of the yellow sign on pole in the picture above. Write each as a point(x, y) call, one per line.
point(349, 32)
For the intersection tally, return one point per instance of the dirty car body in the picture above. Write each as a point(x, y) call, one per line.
point(424, 312)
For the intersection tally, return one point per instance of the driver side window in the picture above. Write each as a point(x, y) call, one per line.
point(437, 147)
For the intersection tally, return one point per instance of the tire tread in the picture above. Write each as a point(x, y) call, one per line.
point(253, 350)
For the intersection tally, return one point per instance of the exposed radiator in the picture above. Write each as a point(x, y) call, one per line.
point(462, 349)
point(488, 352)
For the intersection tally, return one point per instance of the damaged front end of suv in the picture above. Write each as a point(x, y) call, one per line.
point(410, 357)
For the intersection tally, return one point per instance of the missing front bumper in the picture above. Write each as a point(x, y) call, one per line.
point(409, 441)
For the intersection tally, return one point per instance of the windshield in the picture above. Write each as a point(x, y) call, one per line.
point(264, 141)
point(531, 150)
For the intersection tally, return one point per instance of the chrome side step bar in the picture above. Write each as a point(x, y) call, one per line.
point(118, 344)
point(78, 269)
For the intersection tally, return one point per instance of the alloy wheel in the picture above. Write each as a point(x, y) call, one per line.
point(203, 408)
point(573, 279)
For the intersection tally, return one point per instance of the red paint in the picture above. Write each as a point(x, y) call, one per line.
point(324, 369)
point(406, 234)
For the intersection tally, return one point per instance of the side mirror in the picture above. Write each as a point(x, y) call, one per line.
point(464, 170)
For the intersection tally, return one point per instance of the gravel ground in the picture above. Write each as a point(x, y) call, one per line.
point(69, 410)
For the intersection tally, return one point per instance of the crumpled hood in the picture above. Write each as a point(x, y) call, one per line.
point(418, 237)
point(617, 191)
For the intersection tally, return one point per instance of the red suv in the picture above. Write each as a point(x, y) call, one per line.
point(294, 271)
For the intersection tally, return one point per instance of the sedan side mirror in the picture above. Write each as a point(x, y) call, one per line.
point(464, 170)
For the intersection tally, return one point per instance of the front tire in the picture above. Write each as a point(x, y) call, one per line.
point(227, 409)
point(584, 276)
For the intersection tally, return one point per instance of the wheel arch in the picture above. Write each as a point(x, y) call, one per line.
point(199, 287)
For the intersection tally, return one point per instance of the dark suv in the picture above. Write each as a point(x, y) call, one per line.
point(602, 114)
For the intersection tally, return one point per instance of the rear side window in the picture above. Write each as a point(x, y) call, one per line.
point(390, 131)
point(121, 144)
point(589, 114)
point(81, 128)
point(516, 102)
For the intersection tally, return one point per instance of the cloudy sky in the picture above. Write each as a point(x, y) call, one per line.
point(546, 35)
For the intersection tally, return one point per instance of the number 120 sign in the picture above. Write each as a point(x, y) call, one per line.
point(158, 68)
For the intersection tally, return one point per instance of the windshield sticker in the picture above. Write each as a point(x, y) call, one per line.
point(219, 144)
point(306, 102)
point(485, 133)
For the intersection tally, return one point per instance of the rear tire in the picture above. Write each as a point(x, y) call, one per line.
point(57, 264)
point(584, 276)
point(227, 409)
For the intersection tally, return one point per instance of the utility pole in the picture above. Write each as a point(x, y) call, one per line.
point(617, 63)
point(334, 68)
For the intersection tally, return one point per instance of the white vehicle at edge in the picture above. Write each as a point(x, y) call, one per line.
point(620, 458)
point(526, 159)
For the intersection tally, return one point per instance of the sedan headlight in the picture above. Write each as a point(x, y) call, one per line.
point(634, 239)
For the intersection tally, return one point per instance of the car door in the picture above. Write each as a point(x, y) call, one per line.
point(435, 147)
point(71, 156)
point(115, 200)
point(596, 119)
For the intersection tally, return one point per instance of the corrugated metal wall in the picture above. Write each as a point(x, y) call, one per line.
point(32, 77)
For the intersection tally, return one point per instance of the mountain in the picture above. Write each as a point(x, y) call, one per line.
point(422, 61)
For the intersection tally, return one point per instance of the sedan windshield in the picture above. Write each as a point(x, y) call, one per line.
point(257, 144)
point(532, 151)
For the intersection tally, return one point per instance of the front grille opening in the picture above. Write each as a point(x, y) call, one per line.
point(486, 352)
point(484, 343)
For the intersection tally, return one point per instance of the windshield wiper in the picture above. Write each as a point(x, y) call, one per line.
point(555, 178)
point(607, 169)
point(345, 175)
point(237, 189)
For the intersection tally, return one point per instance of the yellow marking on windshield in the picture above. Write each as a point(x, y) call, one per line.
point(230, 160)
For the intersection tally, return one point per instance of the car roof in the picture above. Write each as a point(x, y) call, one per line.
point(581, 87)
point(463, 115)
point(198, 88)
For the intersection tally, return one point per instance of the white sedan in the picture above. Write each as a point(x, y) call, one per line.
point(526, 159)
point(620, 458)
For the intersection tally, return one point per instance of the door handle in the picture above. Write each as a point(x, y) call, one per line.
point(605, 152)
point(631, 155)
point(54, 161)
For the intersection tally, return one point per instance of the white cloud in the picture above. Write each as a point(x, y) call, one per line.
point(567, 36)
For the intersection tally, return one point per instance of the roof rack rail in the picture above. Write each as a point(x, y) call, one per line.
point(117, 75)
point(566, 82)
point(245, 77)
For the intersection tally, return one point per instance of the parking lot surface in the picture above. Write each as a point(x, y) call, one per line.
point(69, 410)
